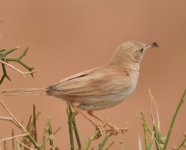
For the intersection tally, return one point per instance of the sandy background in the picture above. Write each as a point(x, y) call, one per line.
point(66, 37)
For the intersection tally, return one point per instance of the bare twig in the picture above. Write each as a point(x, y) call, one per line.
point(12, 137)
point(16, 69)
point(12, 116)
point(9, 119)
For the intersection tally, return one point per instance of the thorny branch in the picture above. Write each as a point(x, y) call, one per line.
point(5, 61)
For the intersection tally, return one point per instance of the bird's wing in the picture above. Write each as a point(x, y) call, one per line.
point(93, 82)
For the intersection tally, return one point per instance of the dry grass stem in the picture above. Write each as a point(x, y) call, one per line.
point(13, 117)
point(4, 145)
point(153, 102)
point(13, 137)
point(13, 140)
point(9, 119)
point(34, 130)
point(21, 126)
point(139, 143)
point(22, 144)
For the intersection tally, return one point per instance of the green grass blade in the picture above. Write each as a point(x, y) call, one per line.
point(174, 119)
point(182, 143)
point(87, 143)
point(102, 144)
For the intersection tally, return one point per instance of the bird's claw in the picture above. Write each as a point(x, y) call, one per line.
point(116, 131)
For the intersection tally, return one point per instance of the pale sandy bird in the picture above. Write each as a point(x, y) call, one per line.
point(98, 88)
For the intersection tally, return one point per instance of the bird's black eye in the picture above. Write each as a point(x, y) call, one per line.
point(141, 50)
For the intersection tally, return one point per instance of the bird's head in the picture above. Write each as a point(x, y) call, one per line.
point(131, 52)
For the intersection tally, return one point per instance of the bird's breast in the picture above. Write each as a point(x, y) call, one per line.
point(121, 95)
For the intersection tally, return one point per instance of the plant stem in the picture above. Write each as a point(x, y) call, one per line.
point(144, 128)
point(4, 60)
point(182, 143)
point(87, 143)
point(20, 62)
point(30, 137)
point(8, 51)
point(34, 130)
point(102, 144)
point(173, 119)
point(51, 136)
point(70, 126)
point(75, 129)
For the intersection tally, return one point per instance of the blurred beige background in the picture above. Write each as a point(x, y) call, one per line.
point(66, 37)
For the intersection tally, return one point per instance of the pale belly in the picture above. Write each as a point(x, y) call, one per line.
point(107, 101)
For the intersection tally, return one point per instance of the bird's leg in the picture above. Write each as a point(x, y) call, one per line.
point(98, 127)
point(114, 129)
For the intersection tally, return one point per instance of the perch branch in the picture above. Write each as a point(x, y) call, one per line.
point(5, 59)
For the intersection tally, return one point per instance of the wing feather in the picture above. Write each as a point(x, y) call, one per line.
point(93, 82)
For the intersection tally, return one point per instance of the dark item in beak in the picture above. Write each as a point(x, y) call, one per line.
point(154, 44)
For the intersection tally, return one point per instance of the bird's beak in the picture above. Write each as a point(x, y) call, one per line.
point(154, 44)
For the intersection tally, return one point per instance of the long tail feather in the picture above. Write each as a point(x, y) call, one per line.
point(24, 91)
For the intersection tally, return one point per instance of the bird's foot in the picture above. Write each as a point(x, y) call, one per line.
point(114, 130)
point(101, 130)
point(110, 129)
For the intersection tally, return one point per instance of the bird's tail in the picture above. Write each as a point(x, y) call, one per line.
point(25, 91)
